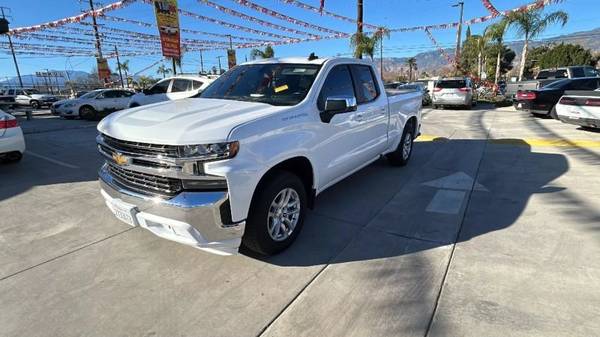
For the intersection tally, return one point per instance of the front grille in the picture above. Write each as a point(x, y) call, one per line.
point(145, 183)
point(142, 148)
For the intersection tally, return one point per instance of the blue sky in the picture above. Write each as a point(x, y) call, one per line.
point(584, 15)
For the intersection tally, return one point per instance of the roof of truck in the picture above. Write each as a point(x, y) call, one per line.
point(305, 60)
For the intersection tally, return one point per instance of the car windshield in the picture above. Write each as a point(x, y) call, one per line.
point(275, 84)
point(91, 94)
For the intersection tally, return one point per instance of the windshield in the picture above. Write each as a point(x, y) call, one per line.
point(275, 84)
point(90, 94)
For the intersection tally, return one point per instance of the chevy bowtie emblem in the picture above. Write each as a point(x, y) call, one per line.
point(119, 159)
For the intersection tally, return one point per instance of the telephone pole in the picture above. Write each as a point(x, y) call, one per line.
point(201, 63)
point(96, 34)
point(119, 67)
point(219, 58)
point(12, 50)
point(359, 21)
point(174, 66)
point(460, 4)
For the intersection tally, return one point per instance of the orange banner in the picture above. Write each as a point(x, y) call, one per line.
point(103, 70)
point(167, 19)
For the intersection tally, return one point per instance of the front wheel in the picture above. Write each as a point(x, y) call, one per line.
point(35, 104)
point(88, 113)
point(401, 155)
point(276, 215)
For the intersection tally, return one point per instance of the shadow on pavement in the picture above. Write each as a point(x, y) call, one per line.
point(510, 174)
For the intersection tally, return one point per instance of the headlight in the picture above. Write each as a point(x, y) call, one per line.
point(214, 151)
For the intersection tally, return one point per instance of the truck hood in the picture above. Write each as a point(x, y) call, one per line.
point(183, 122)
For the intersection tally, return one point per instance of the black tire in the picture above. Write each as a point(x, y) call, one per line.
point(399, 157)
point(35, 104)
point(256, 236)
point(13, 157)
point(88, 113)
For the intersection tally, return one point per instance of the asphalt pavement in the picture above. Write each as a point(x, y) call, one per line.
point(493, 229)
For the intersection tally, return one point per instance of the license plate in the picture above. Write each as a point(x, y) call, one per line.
point(124, 212)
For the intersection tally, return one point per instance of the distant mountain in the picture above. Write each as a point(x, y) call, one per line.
point(31, 80)
point(433, 62)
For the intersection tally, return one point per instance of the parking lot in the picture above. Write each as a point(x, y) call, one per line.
point(493, 229)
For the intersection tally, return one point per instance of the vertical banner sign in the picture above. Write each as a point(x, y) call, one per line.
point(231, 59)
point(103, 70)
point(167, 19)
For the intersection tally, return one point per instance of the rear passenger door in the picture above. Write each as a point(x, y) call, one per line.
point(372, 110)
point(122, 100)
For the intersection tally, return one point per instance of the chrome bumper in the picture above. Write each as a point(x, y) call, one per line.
point(197, 219)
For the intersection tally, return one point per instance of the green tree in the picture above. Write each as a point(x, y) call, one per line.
point(364, 44)
point(411, 62)
point(145, 81)
point(533, 59)
point(531, 24)
point(566, 55)
point(266, 54)
point(162, 70)
point(495, 70)
point(495, 34)
point(124, 67)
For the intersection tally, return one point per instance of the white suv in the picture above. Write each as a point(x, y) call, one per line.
point(170, 89)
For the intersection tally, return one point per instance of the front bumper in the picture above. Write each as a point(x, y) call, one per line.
point(191, 218)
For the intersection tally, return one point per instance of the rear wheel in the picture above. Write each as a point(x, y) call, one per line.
point(88, 113)
point(277, 214)
point(12, 157)
point(401, 155)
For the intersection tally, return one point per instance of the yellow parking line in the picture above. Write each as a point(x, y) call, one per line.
point(541, 142)
point(430, 138)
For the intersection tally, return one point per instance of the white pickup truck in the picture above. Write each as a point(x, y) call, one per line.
point(241, 163)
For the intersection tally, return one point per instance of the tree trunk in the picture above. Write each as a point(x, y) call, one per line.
point(479, 65)
point(126, 79)
point(497, 68)
point(523, 58)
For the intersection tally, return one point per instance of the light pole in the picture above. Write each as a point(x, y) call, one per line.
point(359, 22)
point(460, 4)
point(12, 50)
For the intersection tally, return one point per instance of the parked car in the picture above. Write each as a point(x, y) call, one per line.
point(12, 143)
point(243, 162)
point(426, 98)
point(543, 101)
point(580, 108)
point(547, 76)
point(94, 104)
point(456, 91)
point(6, 97)
point(32, 98)
point(173, 88)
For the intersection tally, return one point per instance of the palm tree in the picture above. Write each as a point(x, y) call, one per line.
point(530, 24)
point(495, 33)
point(378, 36)
point(412, 64)
point(124, 67)
point(164, 71)
point(266, 54)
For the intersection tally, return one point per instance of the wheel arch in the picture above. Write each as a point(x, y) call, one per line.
point(300, 166)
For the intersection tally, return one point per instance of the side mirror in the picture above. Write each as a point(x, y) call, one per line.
point(337, 105)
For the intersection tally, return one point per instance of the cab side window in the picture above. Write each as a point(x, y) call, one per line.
point(337, 84)
point(111, 94)
point(160, 88)
point(366, 86)
point(197, 85)
point(180, 85)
